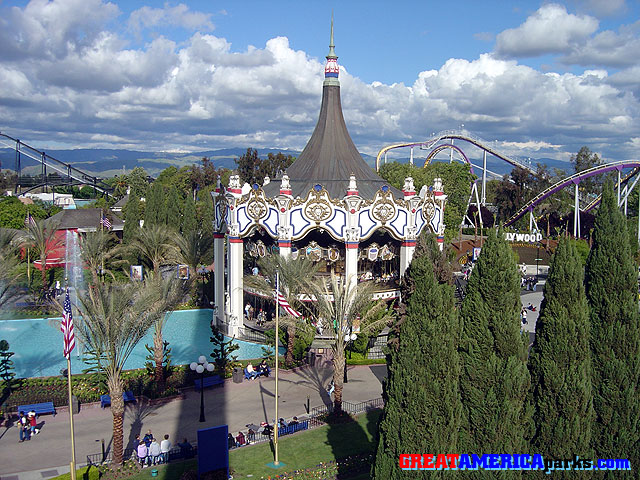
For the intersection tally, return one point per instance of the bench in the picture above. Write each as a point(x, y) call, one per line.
point(39, 408)
point(105, 400)
point(211, 381)
point(293, 428)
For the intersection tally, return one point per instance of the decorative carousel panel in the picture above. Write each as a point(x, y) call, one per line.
point(420, 222)
point(399, 224)
point(244, 221)
point(270, 222)
point(298, 222)
point(366, 223)
point(337, 224)
point(436, 220)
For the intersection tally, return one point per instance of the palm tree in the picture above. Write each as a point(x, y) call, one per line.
point(154, 245)
point(97, 248)
point(296, 278)
point(171, 291)
point(114, 318)
point(194, 249)
point(41, 236)
point(338, 304)
point(9, 260)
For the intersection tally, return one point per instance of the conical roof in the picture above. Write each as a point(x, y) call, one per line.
point(330, 157)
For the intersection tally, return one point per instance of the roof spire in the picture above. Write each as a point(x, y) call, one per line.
point(332, 53)
point(331, 68)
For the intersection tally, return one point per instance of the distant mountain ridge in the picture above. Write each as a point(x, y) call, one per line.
point(110, 162)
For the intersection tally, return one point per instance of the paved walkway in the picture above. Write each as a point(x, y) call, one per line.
point(48, 454)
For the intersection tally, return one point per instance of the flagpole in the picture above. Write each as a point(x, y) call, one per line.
point(275, 435)
point(69, 343)
point(73, 445)
point(101, 253)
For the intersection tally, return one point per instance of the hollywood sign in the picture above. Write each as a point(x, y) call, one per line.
point(523, 237)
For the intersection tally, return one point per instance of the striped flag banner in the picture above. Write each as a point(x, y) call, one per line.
point(105, 221)
point(29, 220)
point(285, 305)
point(67, 326)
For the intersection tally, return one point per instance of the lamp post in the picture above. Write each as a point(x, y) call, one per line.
point(200, 367)
point(348, 339)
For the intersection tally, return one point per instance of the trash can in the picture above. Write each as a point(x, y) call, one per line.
point(238, 375)
point(154, 472)
point(312, 359)
point(75, 404)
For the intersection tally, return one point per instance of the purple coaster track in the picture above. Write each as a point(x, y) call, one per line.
point(571, 180)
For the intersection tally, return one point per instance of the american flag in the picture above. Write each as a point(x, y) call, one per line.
point(282, 301)
point(105, 221)
point(67, 326)
point(29, 220)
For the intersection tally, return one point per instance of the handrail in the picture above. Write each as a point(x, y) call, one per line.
point(55, 164)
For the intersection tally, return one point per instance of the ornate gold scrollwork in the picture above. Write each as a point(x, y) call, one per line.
point(428, 211)
point(383, 211)
point(318, 210)
point(257, 209)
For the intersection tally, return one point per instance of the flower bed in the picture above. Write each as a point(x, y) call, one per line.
point(334, 470)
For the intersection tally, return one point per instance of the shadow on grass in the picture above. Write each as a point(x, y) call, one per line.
point(349, 438)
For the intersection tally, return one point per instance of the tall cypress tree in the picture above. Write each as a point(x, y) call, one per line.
point(189, 220)
point(172, 209)
point(560, 363)
point(422, 401)
point(154, 210)
point(612, 291)
point(131, 218)
point(206, 212)
point(494, 381)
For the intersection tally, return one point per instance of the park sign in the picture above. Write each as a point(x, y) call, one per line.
point(523, 237)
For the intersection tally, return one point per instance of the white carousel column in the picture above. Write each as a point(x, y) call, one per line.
point(218, 265)
point(285, 248)
point(235, 279)
point(351, 262)
point(406, 254)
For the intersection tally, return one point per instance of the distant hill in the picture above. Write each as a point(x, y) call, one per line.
point(109, 162)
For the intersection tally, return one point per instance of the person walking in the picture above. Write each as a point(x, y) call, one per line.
point(23, 426)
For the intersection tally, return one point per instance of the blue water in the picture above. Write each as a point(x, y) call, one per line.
point(37, 344)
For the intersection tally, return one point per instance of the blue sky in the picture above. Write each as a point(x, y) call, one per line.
point(541, 78)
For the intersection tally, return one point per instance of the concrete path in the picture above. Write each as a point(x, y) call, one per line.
point(48, 454)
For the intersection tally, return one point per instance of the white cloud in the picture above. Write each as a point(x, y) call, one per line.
point(549, 30)
point(100, 91)
point(179, 16)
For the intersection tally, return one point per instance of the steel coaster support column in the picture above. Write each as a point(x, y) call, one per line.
point(385, 158)
point(478, 206)
point(530, 220)
point(484, 177)
point(451, 153)
point(618, 188)
point(411, 157)
point(218, 280)
point(638, 219)
point(576, 212)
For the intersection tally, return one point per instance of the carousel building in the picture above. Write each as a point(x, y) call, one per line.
point(329, 206)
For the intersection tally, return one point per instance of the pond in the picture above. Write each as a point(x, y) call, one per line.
point(37, 343)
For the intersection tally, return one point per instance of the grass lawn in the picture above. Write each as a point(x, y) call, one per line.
point(299, 451)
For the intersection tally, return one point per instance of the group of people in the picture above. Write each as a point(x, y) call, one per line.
point(263, 369)
point(150, 452)
point(250, 314)
point(529, 282)
point(28, 425)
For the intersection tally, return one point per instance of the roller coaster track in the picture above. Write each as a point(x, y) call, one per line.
point(74, 175)
point(623, 181)
point(571, 180)
point(457, 135)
